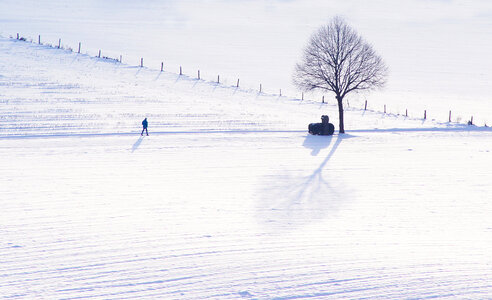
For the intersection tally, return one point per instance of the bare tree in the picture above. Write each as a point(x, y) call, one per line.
point(337, 59)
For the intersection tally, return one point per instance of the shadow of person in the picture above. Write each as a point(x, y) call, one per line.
point(295, 201)
point(137, 143)
point(317, 142)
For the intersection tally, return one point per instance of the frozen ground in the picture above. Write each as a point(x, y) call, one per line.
point(228, 197)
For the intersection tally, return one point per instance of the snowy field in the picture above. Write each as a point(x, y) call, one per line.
point(229, 197)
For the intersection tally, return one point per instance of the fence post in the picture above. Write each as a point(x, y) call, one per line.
point(180, 70)
point(17, 36)
point(280, 92)
point(198, 74)
point(39, 39)
point(385, 108)
point(406, 112)
point(59, 43)
point(365, 105)
point(162, 66)
point(323, 99)
point(302, 96)
point(449, 116)
point(218, 78)
point(141, 62)
point(237, 85)
point(260, 87)
point(79, 47)
point(99, 54)
point(425, 114)
point(121, 58)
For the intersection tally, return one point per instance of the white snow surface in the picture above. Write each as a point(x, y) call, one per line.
point(229, 197)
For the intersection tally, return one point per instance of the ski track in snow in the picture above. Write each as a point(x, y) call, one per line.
point(229, 197)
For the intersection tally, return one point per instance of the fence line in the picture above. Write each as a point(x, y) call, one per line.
point(18, 37)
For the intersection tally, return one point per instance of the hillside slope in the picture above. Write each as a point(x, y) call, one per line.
point(51, 91)
point(228, 197)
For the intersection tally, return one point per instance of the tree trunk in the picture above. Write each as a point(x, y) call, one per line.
point(340, 114)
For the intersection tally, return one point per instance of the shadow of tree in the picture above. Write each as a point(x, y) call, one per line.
point(297, 201)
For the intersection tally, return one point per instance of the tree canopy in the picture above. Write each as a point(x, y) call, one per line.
point(338, 60)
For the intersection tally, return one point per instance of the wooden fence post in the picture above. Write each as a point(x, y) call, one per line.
point(449, 116)
point(260, 87)
point(180, 70)
point(39, 39)
point(121, 58)
point(59, 43)
point(302, 96)
point(385, 108)
point(365, 105)
point(17, 36)
point(323, 99)
point(425, 114)
point(141, 62)
point(406, 112)
point(280, 92)
point(198, 74)
point(99, 54)
point(218, 78)
point(162, 66)
point(237, 84)
point(80, 44)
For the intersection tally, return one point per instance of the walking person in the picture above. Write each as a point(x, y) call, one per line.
point(145, 124)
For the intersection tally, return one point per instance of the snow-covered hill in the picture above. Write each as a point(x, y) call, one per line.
point(228, 197)
point(437, 51)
